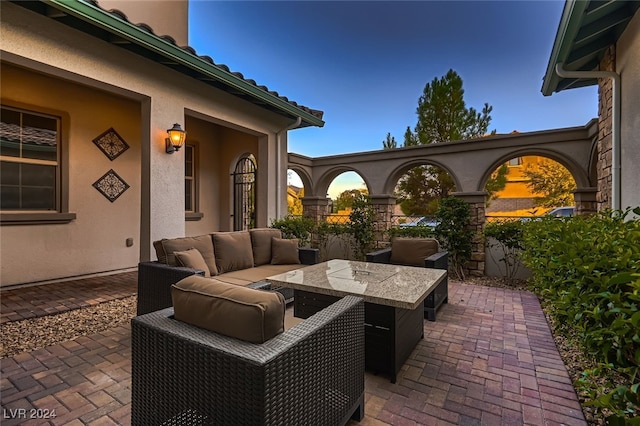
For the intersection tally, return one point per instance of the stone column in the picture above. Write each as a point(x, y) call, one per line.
point(316, 208)
point(384, 206)
point(477, 204)
point(586, 200)
point(605, 124)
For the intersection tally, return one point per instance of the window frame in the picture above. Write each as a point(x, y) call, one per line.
point(195, 214)
point(61, 214)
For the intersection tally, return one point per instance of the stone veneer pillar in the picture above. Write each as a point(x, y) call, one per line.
point(586, 200)
point(384, 206)
point(316, 208)
point(605, 124)
point(477, 204)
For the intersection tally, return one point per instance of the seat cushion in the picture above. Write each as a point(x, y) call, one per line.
point(240, 312)
point(261, 244)
point(192, 258)
point(412, 251)
point(284, 252)
point(232, 251)
point(202, 243)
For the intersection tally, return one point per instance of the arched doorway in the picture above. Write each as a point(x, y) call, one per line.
point(244, 194)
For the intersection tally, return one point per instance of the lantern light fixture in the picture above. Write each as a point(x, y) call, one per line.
point(175, 139)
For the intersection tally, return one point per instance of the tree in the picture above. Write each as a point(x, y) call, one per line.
point(294, 201)
point(346, 198)
point(497, 182)
point(442, 117)
point(553, 181)
point(390, 142)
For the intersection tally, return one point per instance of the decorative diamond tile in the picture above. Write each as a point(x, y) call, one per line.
point(111, 144)
point(111, 185)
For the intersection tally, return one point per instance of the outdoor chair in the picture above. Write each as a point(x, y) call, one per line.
point(420, 252)
point(312, 374)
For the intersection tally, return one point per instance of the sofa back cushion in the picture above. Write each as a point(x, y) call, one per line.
point(240, 312)
point(412, 251)
point(192, 258)
point(284, 252)
point(201, 243)
point(232, 251)
point(261, 244)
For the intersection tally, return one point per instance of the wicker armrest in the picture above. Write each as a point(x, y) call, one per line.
point(311, 374)
point(154, 284)
point(380, 256)
point(439, 260)
point(309, 256)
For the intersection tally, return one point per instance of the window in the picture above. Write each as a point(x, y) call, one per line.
point(30, 159)
point(190, 184)
point(515, 161)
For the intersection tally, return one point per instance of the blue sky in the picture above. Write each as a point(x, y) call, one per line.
point(365, 64)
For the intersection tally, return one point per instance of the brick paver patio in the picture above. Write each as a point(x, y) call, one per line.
point(489, 359)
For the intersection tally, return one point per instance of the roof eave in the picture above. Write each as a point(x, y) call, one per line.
point(567, 29)
point(134, 34)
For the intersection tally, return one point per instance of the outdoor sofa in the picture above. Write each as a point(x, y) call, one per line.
point(420, 252)
point(243, 258)
point(246, 370)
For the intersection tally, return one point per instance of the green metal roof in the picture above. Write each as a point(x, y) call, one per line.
point(587, 28)
point(114, 27)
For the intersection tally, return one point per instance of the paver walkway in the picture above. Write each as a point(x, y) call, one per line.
point(489, 359)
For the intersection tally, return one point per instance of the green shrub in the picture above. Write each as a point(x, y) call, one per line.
point(299, 227)
point(412, 232)
point(587, 271)
point(453, 232)
point(361, 221)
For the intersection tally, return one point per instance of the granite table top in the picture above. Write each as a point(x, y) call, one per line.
point(403, 287)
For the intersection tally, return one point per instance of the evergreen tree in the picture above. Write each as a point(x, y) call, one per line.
point(442, 117)
point(390, 142)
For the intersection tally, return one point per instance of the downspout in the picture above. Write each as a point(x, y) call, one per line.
point(278, 155)
point(615, 128)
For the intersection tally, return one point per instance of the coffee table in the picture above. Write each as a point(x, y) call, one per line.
point(393, 296)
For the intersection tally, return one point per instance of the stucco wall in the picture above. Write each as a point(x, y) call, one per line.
point(96, 239)
point(628, 66)
point(163, 97)
point(166, 17)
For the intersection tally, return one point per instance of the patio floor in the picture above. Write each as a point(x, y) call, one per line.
point(489, 359)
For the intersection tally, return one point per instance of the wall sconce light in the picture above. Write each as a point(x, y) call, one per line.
point(176, 138)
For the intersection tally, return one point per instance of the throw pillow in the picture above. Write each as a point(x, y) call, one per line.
point(192, 258)
point(202, 243)
point(261, 244)
point(235, 311)
point(284, 252)
point(233, 251)
point(412, 251)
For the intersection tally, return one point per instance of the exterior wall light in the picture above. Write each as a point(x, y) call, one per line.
point(176, 138)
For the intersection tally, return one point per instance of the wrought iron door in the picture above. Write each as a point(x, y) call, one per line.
point(244, 194)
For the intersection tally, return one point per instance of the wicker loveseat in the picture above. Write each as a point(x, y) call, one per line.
point(244, 258)
point(421, 252)
point(312, 374)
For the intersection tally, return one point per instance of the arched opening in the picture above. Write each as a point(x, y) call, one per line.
point(244, 194)
point(418, 191)
point(529, 185)
point(342, 191)
point(295, 192)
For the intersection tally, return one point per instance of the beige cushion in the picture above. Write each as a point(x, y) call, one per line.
point(225, 278)
point(202, 243)
point(240, 312)
point(284, 252)
point(192, 258)
point(261, 244)
point(232, 250)
point(412, 251)
point(160, 253)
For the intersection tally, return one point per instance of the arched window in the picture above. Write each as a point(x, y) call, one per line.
point(244, 194)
